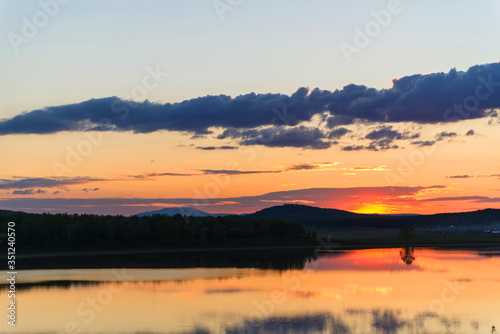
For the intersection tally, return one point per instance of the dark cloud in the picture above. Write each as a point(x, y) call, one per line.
point(476, 199)
point(90, 189)
point(384, 136)
point(386, 132)
point(423, 143)
point(236, 172)
point(301, 136)
point(333, 122)
point(195, 115)
point(165, 174)
point(309, 166)
point(211, 148)
point(444, 135)
point(302, 167)
point(384, 144)
point(28, 192)
point(337, 133)
point(353, 148)
point(470, 133)
point(431, 98)
point(493, 175)
point(49, 182)
point(460, 177)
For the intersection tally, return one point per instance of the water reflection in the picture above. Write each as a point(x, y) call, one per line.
point(261, 259)
point(357, 321)
point(407, 255)
point(358, 292)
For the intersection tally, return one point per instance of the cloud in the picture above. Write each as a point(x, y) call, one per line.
point(235, 172)
point(423, 143)
point(443, 135)
point(460, 177)
point(341, 198)
point(430, 98)
point(211, 148)
point(301, 136)
point(386, 132)
point(337, 133)
point(87, 190)
point(28, 192)
point(353, 148)
point(302, 167)
point(381, 168)
point(384, 144)
point(493, 175)
point(477, 199)
point(311, 166)
point(48, 182)
point(382, 139)
point(470, 133)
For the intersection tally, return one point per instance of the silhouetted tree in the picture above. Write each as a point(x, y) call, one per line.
point(407, 232)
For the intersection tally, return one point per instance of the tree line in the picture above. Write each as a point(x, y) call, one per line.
point(86, 231)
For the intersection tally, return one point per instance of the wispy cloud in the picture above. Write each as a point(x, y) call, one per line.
point(28, 192)
point(212, 148)
point(342, 198)
point(444, 135)
point(44, 182)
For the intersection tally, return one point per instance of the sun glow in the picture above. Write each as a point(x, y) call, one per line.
point(373, 208)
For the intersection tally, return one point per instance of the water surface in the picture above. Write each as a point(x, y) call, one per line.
point(359, 291)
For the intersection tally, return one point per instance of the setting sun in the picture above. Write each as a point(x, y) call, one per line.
point(374, 208)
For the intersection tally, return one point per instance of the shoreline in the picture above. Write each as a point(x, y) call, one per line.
point(341, 247)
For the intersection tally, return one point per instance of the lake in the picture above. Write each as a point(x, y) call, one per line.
point(358, 291)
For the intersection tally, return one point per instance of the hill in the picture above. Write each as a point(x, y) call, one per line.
point(466, 219)
point(184, 210)
point(319, 218)
point(304, 213)
point(326, 218)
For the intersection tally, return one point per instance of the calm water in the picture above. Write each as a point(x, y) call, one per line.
point(360, 291)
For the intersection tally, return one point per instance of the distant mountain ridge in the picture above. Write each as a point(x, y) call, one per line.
point(315, 216)
point(182, 210)
point(320, 217)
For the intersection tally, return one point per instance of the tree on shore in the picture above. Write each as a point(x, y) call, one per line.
point(407, 233)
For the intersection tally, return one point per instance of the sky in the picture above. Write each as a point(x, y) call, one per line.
point(120, 107)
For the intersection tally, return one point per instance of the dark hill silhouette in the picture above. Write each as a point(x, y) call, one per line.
point(320, 217)
point(304, 213)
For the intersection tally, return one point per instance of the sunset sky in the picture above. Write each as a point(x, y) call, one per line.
point(120, 107)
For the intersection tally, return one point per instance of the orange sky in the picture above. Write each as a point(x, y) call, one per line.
point(126, 165)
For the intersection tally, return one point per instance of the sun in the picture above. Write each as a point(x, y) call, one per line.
point(373, 208)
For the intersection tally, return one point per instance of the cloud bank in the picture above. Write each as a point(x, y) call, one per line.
point(419, 98)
